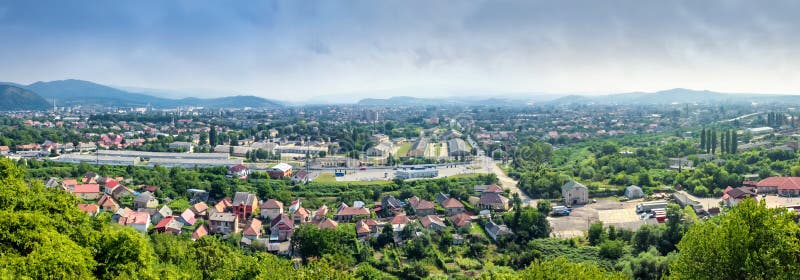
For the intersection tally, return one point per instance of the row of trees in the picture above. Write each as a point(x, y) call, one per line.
point(727, 141)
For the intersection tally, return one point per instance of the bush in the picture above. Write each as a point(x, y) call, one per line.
point(612, 249)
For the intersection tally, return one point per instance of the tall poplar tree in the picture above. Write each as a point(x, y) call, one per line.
point(703, 139)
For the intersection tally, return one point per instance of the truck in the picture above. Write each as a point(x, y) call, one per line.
point(650, 205)
point(560, 211)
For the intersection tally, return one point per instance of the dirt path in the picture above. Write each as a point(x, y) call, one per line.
point(511, 184)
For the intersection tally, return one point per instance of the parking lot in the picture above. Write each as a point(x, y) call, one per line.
point(609, 211)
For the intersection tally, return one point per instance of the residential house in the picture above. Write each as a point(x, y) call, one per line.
point(280, 171)
point(252, 230)
point(199, 232)
point(91, 209)
point(169, 224)
point(381, 149)
point(391, 206)
point(421, 207)
point(200, 209)
point(303, 177)
point(281, 228)
point(327, 223)
point(107, 203)
point(4, 150)
point(432, 222)
point(732, 196)
point(87, 191)
point(453, 206)
point(366, 228)
point(320, 213)
point(187, 217)
point(633, 192)
point(239, 171)
point(301, 216)
point(145, 200)
point(162, 213)
point(399, 222)
point(348, 214)
point(493, 201)
point(223, 223)
point(496, 231)
point(271, 209)
point(487, 188)
point(121, 191)
point(574, 193)
point(136, 220)
point(69, 184)
point(461, 220)
point(244, 205)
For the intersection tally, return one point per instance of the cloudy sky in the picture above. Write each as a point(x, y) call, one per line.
point(295, 50)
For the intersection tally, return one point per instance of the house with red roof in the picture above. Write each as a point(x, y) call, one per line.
point(432, 222)
point(732, 196)
point(327, 223)
point(169, 224)
point(252, 230)
point(281, 228)
point(786, 186)
point(347, 213)
point(107, 203)
point(199, 232)
point(87, 191)
point(91, 209)
point(271, 209)
point(136, 220)
point(366, 228)
point(239, 171)
point(453, 206)
point(461, 220)
point(187, 217)
point(421, 207)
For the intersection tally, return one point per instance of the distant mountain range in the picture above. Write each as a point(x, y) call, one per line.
point(13, 97)
point(78, 92)
point(40, 95)
point(675, 96)
point(672, 96)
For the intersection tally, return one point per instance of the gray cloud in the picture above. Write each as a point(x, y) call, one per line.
point(296, 49)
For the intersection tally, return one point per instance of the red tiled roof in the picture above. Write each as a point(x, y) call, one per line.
point(164, 222)
point(400, 220)
point(353, 211)
point(199, 232)
point(494, 188)
point(362, 227)
point(138, 218)
point(782, 183)
point(69, 182)
point(238, 168)
point(253, 227)
point(327, 223)
point(87, 188)
point(452, 203)
point(89, 208)
point(460, 219)
point(272, 204)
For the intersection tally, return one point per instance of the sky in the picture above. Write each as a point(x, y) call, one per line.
point(301, 50)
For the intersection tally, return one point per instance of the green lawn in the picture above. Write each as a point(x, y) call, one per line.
point(325, 178)
point(329, 178)
point(403, 149)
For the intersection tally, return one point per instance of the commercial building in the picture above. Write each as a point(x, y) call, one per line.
point(416, 171)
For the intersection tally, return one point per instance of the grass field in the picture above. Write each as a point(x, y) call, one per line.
point(403, 149)
point(325, 178)
point(329, 178)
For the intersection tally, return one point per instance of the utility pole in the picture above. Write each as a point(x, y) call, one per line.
point(308, 155)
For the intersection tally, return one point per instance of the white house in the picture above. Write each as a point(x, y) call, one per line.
point(574, 193)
